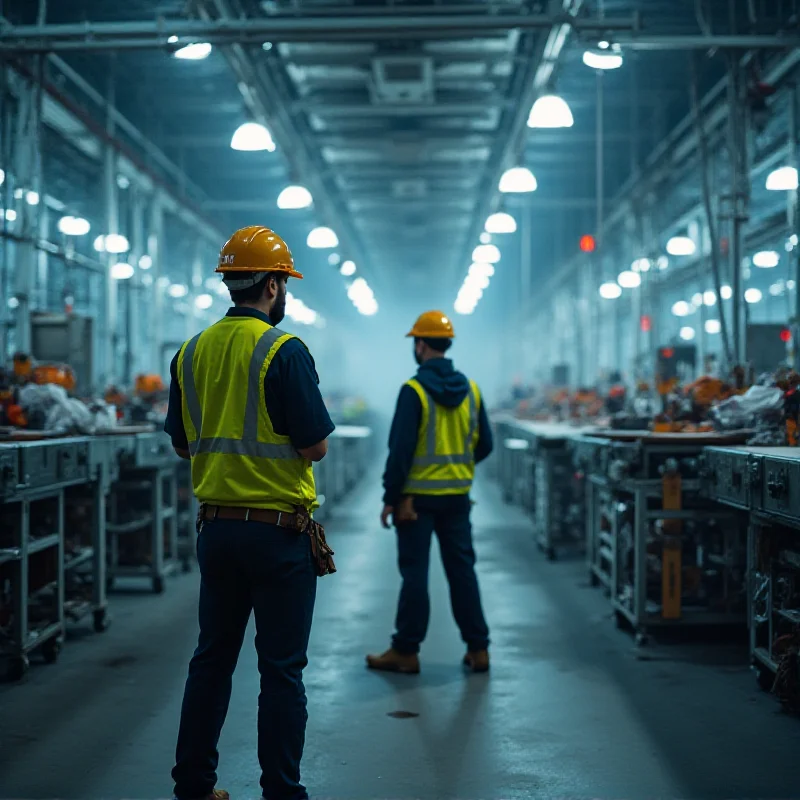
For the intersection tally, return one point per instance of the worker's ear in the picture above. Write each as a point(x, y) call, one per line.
point(271, 288)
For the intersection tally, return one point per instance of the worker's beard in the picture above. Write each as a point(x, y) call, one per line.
point(278, 310)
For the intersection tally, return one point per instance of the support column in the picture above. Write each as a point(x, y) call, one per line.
point(155, 229)
point(111, 326)
point(133, 291)
point(794, 217)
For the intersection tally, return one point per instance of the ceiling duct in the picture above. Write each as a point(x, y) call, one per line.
point(409, 189)
point(397, 80)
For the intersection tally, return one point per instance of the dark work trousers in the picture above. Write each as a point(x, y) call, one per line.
point(244, 567)
point(452, 526)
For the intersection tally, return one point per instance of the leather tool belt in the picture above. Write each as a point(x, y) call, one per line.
point(299, 521)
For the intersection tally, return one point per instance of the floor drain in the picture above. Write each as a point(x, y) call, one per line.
point(402, 714)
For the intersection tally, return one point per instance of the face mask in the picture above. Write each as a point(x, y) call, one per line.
point(278, 310)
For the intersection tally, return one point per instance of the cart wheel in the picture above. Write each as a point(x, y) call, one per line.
point(764, 678)
point(101, 620)
point(551, 553)
point(158, 584)
point(642, 639)
point(50, 650)
point(17, 668)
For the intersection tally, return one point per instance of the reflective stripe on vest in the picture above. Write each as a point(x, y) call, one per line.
point(248, 445)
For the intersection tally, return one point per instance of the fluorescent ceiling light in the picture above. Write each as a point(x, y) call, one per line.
point(145, 262)
point(480, 268)
point(73, 226)
point(485, 238)
point(687, 334)
point(629, 279)
point(598, 59)
point(610, 291)
point(177, 290)
point(753, 296)
point(726, 292)
point(112, 243)
point(172, 39)
point(550, 111)
point(713, 326)
point(322, 239)
point(681, 309)
point(783, 179)
point(464, 307)
point(294, 197)
point(32, 198)
point(487, 253)
point(13, 302)
point(251, 137)
point(518, 180)
point(766, 259)
point(641, 265)
point(18, 193)
point(8, 216)
point(681, 246)
point(203, 301)
point(480, 281)
point(709, 298)
point(123, 181)
point(697, 299)
point(501, 223)
point(196, 51)
point(348, 269)
point(2, 176)
point(121, 271)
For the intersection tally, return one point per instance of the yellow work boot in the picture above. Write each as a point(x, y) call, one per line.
point(392, 661)
point(477, 661)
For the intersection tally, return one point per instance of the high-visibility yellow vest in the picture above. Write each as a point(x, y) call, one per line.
point(237, 458)
point(444, 461)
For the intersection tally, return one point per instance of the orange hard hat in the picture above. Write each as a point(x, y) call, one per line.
point(433, 325)
point(256, 249)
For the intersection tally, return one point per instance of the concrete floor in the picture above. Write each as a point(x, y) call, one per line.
point(569, 710)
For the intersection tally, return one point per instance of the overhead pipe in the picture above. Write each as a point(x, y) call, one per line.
point(323, 28)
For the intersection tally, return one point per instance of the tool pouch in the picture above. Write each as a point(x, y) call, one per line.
point(320, 550)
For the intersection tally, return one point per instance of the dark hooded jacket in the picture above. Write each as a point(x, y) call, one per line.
point(448, 388)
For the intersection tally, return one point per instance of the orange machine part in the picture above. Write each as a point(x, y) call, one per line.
point(149, 384)
point(50, 373)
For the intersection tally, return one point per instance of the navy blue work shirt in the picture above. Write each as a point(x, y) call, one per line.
point(291, 390)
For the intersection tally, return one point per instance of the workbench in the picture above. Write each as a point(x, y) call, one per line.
point(667, 555)
point(763, 483)
point(536, 472)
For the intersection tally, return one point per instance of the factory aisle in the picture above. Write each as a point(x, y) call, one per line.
point(569, 710)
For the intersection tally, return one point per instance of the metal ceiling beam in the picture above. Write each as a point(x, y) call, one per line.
point(778, 41)
point(405, 110)
point(364, 60)
point(322, 28)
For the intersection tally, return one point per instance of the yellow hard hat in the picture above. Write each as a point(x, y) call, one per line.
point(433, 325)
point(256, 249)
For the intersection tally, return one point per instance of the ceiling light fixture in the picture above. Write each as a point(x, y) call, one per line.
point(322, 239)
point(713, 326)
point(481, 268)
point(501, 223)
point(726, 292)
point(550, 111)
point(73, 226)
point(485, 238)
point(629, 279)
point(610, 291)
point(486, 253)
point(709, 298)
point(766, 259)
point(601, 59)
point(122, 271)
point(295, 197)
point(753, 296)
point(518, 180)
point(348, 269)
point(145, 262)
point(681, 309)
point(203, 301)
point(681, 246)
point(783, 179)
point(641, 265)
point(196, 51)
point(687, 334)
point(177, 290)
point(252, 137)
point(112, 243)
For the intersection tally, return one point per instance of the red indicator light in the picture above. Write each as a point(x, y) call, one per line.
point(587, 244)
point(645, 323)
point(786, 335)
point(668, 352)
